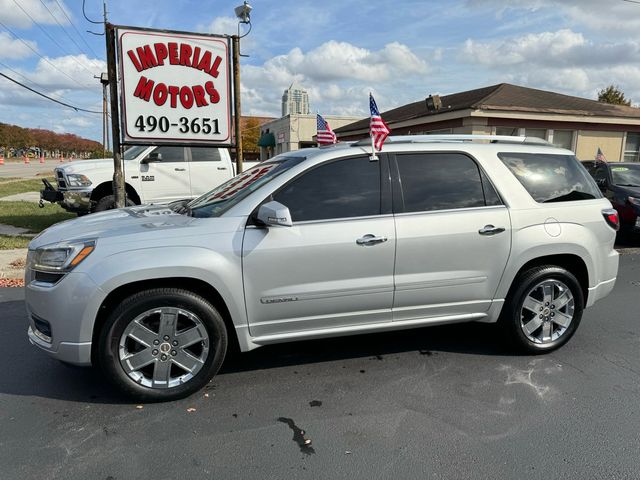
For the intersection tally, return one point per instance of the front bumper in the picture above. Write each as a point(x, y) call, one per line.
point(74, 200)
point(69, 307)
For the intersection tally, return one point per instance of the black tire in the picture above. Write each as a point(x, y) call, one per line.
point(135, 305)
point(514, 317)
point(108, 202)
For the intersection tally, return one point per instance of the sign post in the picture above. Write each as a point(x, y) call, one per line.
point(118, 177)
point(236, 103)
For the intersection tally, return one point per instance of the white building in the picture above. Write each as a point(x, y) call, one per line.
point(295, 100)
point(293, 132)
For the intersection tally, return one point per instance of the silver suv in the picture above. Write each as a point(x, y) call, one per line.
point(325, 242)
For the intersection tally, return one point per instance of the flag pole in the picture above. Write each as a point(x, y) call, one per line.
point(373, 157)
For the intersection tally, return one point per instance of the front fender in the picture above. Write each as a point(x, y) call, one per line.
point(221, 270)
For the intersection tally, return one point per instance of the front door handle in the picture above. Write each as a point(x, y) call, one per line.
point(490, 230)
point(222, 168)
point(370, 239)
point(180, 169)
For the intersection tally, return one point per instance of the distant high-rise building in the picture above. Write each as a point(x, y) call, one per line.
point(295, 100)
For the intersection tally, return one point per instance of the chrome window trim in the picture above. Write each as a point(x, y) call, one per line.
point(452, 210)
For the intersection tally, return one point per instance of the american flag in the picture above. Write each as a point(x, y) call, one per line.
point(325, 135)
point(600, 156)
point(377, 128)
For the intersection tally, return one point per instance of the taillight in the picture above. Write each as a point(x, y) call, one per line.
point(612, 219)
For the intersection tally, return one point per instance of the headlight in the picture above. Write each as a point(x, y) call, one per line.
point(77, 180)
point(634, 201)
point(60, 257)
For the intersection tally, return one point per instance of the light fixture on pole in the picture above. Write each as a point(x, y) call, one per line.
point(243, 12)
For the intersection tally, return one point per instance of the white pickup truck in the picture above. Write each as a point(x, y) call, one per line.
point(152, 175)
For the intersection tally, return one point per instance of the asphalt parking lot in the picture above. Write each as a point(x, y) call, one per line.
point(444, 402)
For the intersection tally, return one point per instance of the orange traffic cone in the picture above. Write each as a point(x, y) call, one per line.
point(26, 159)
point(41, 158)
point(1, 160)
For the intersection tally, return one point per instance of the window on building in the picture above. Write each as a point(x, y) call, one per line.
point(536, 132)
point(442, 181)
point(341, 189)
point(563, 139)
point(509, 131)
point(632, 147)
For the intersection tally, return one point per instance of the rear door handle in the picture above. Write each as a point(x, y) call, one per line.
point(490, 230)
point(180, 169)
point(222, 168)
point(370, 239)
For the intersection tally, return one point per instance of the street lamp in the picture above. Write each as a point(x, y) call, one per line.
point(243, 12)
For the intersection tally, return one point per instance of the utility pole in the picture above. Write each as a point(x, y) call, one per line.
point(118, 177)
point(236, 101)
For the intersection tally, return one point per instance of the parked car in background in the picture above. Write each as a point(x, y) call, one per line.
point(620, 183)
point(152, 175)
point(325, 242)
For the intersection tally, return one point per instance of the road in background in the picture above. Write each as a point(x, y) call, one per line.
point(32, 169)
point(444, 402)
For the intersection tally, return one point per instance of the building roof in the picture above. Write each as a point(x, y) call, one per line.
point(503, 97)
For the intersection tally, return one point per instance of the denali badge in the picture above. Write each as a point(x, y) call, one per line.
point(278, 299)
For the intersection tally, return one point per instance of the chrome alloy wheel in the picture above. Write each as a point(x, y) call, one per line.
point(547, 311)
point(164, 347)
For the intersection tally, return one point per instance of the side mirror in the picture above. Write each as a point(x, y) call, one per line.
point(274, 214)
point(153, 157)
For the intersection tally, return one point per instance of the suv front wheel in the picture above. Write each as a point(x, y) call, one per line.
point(543, 310)
point(162, 344)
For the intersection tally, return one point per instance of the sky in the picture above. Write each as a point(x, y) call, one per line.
point(338, 50)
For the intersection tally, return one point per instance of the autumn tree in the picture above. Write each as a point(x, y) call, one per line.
point(250, 135)
point(613, 95)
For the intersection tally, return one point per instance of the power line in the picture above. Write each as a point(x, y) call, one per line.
point(85, 15)
point(77, 109)
point(72, 24)
point(37, 53)
point(64, 50)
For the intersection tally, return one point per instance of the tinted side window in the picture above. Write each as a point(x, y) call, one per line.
point(205, 154)
point(551, 178)
point(170, 154)
point(440, 181)
point(491, 197)
point(340, 189)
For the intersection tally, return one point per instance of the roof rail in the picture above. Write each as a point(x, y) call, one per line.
point(457, 138)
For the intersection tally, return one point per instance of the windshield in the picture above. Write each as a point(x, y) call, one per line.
point(133, 152)
point(225, 196)
point(627, 175)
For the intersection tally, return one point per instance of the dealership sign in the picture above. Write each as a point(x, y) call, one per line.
point(175, 87)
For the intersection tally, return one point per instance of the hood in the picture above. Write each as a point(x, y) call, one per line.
point(84, 166)
point(132, 225)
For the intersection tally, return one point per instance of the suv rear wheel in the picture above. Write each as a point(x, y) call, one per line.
point(162, 344)
point(543, 310)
